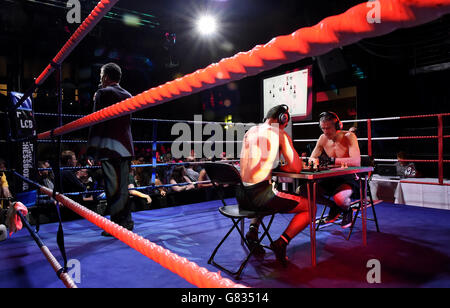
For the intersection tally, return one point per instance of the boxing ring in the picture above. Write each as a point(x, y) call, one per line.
point(332, 32)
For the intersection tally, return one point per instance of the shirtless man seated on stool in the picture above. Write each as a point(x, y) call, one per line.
point(340, 147)
point(260, 154)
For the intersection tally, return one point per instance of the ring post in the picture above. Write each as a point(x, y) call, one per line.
point(440, 150)
point(154, 148)
point(369, 137)
point(65, 278)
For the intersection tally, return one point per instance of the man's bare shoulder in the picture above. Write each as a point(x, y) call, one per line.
point(254, 128)
point(262, 129)
point(252, 132)
point(322, 139)
point(349, 135)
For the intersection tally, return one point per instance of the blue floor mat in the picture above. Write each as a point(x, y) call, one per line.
point(413, 250)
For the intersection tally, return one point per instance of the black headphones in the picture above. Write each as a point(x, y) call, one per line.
point(337, 122)
point(283, 117)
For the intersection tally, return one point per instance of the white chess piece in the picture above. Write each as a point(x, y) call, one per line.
point(3, 233)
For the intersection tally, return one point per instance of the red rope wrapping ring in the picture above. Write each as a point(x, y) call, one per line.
point(190, 271)
point(330, 33)
point(96, 15)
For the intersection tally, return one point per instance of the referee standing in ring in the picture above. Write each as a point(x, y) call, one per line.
point(111, 142)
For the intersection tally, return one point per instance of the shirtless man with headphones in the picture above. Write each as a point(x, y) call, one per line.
point(340, 147)
point(261, 150)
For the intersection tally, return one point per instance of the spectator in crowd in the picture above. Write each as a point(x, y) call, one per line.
point(69, 180)
point(203, 177)
point(167, 171)
point(44, 203)
point(160, 193)
point(4, 192)
point(190, 172)
point(94, 179)
point(46, 177)
point(141, 175)
point(84, 177)
point(137, 193)
point(87, 180)
point(140, 159)
point(178, 177)
point(161, 190)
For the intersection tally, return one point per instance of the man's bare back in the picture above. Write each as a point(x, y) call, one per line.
point(259, 153)
point(261, 149)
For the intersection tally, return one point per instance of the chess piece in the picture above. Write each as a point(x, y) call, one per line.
point(316, 164)
point(3, 233)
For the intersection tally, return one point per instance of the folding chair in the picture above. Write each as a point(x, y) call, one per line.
point(222, 174)
point(356, 204)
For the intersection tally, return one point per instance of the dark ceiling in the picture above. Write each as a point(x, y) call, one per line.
point(41, 25)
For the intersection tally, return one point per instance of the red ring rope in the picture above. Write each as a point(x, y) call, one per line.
point(332, 32)
point(190, 271)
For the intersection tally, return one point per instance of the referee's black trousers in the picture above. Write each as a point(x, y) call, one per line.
point(116, 176)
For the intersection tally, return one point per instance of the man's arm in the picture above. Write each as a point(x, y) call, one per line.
point(293, 163)
point(202, 178)
point(355, 155)
point(95, 101)
point(318, 150)
point(176, 188)
point(5, 187)
point(103, 98)
point(137, 193)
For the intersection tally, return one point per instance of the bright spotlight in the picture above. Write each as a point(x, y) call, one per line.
point(207, 25)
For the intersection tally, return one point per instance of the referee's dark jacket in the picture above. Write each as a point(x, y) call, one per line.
point(113, 138)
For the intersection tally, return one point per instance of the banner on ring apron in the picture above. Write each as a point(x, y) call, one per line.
point(23, 125)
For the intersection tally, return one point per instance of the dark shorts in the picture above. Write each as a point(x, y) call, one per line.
point(264, 197)
point(330, 186)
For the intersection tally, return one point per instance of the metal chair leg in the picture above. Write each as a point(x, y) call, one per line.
point(211, 258)
point(321, 218)
point(369, 192)
point(353, 223)
point(266, 231)
point(236, 223)
point(242, 228)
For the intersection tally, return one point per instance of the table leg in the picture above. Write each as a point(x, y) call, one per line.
point(312, 224)
point(243, 230)
point(314, 212)
point(364, 212)
point(362, 203)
